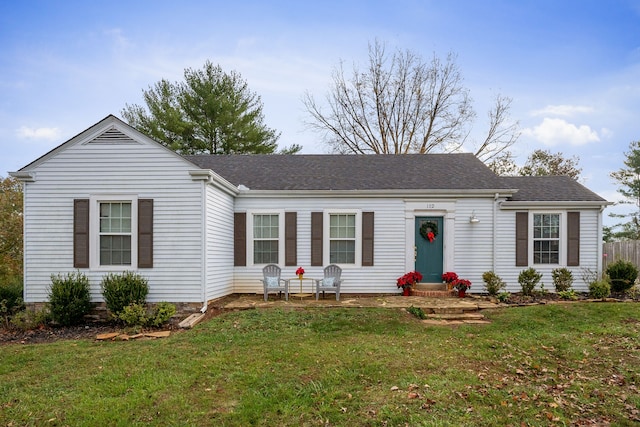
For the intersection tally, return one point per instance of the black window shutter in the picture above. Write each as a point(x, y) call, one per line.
point(145, 233)
point(522, 239)
point(240, 239)
point(573, 239)
point(316, 238)
point(367, 239)
point(81, 233)
point(290, 238)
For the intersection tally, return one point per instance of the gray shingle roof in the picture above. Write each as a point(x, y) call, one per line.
point(550, 189)
point(459, 171)
point(352, 172)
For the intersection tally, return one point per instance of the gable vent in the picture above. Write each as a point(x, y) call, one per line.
point(113, 136)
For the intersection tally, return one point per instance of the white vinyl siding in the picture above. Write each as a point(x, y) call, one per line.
point(133, 169)
point(472, 250)
point(505, 250)
point(193, 222)
point(389, 242)
point(219, 243)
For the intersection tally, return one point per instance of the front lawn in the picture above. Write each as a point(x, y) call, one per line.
point(560, 364)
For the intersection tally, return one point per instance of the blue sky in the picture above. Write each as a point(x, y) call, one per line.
point(572, 67)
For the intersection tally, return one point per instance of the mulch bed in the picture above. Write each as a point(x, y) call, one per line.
point(541, 298)
point(87, 331)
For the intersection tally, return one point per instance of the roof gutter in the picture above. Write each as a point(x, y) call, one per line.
point(351, 194)
point(24, 176)
point(555, 204)
point(214, 179)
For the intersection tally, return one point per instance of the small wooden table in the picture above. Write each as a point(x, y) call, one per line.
point(301, 279)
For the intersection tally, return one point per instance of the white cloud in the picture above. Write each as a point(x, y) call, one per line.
point(49, 134)
point(120, 41)
point(558, 131)
point(563, 110)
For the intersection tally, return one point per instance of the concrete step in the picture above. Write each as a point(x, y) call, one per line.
point(456, 316)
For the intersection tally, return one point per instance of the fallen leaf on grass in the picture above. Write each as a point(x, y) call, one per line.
point(428, 404)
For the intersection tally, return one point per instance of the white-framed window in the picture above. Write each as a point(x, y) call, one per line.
point(114, 227)
point(343, 237)
point(546, 238)
point(115, 233)
point(266, 238)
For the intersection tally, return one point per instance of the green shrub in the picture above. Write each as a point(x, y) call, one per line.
point(29, 319)
point(137, 315)
point(528, 280)
point(622, 275)
point(562, 279)
point(569, 294)
point(69, 298)
point(599, 289)
point(162, 313)
point(503, 296)
point(10, 300)
point(493, 283)
point(133, 315)
point(122, 290)
point(417, 311)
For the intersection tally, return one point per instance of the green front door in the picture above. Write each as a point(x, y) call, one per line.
point(429, 253)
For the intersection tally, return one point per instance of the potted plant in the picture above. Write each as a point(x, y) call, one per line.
point(461, 285)
point(407, 280)
point(300, 272)
point(449, 277)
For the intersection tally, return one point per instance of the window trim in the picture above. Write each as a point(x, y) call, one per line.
point(250, 239)
point(94, 231)
point(562, 237)
point(326, 239)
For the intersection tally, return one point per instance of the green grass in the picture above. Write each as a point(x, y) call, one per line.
point(540, 365)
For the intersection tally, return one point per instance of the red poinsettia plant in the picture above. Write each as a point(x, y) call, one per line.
point(461, 284)
point(299, 271)
point(449, 277)
point(409, 279)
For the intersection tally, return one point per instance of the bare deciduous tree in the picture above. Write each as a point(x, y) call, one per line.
point(401, 104)
point(501, 135)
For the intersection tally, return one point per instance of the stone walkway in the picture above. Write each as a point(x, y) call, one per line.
point(438, 310)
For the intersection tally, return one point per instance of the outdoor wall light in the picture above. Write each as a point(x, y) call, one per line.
point(473, 219)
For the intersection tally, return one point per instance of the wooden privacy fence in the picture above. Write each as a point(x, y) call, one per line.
point(628, 250)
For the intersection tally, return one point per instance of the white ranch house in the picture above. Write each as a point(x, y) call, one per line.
point(203, 227)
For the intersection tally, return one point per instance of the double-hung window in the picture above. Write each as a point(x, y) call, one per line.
point(115, 233)
point(266, 238)
point(546, 238)
point(342, 238)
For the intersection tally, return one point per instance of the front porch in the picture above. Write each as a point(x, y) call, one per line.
point(449, 310)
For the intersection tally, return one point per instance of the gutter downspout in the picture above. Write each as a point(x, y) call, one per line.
point(495, 230)
point(204, 244)
point(599, 264)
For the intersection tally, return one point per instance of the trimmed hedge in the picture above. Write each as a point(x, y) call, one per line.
point(69, 298)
